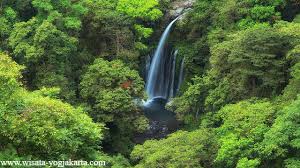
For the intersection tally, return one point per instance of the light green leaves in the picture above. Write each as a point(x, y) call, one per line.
point(248, 163)
point(43, 127)
point(9, 77)
point(55, 128)
point(261, 13)
point(143, 32)
point(43, 5)
point(144, 9)
point(284, 135)
point(242, 132)
point(181, 149)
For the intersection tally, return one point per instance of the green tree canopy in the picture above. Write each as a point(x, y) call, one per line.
point(109, 88)
point(282, 141)
point(242, 132)
point(9, 76)
point(181, 149)
point(140, 9)
point(39, 126)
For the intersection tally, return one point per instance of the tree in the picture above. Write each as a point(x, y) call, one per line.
point(292, 31)
point(188, 104)
point(109, 89)
point(39, 126)
point(50, 129)
point(49, 50)
point(181, 149)
point(253, 61)
point(107, 28)
point(119, 28)
point(63, 14)
point(7, 19)
point(141, 11)
point(241, 133)
point(9, 77)
point(47, 43)
point(282, 140)
point(145, 9)
point(292, 89)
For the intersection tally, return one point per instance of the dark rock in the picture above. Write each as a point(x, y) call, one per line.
point(179, 7)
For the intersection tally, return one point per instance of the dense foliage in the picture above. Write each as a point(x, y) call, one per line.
point(69, 77)
point(40, 126)
point(242, 82)
point(70, 81)
point(109, 89)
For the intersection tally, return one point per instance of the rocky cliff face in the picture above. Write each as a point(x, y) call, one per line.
point(179, 7)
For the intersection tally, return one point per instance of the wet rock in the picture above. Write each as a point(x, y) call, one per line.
point(181, 6)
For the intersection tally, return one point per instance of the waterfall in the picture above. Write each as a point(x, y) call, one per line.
point(147, 63)
point(159, 78)
point(181, 75)
point(171, 92)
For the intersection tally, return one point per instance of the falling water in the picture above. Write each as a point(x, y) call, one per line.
point(171, 92)
point(161, 84)
point(148, 62)
point(181, 74)
point(158, 80)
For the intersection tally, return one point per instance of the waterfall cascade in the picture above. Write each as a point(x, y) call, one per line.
point(181, 75)
point(163, 74)
point(171, 90)
point(161, 70)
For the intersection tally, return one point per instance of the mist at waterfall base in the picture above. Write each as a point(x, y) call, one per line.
point(162, 84)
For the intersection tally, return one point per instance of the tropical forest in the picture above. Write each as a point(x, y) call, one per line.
point(150, 83)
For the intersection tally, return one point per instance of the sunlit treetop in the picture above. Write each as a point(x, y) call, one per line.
point(64, 12)
point(140, 9)
point(9, 75)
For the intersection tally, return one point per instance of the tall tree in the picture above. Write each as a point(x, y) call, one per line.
point(109, 88)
